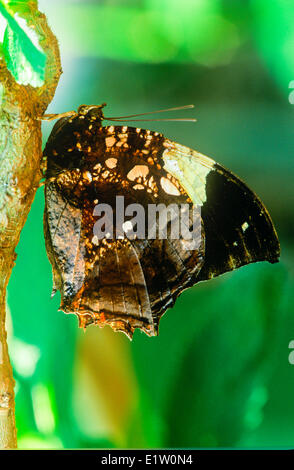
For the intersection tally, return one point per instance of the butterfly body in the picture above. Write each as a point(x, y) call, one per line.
point(129, 282)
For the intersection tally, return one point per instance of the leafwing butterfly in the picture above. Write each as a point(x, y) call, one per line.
point(129, 282)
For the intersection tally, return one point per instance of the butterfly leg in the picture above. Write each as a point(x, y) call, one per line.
point(52, 117)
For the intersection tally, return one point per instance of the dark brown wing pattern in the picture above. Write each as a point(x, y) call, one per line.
point(129, 283)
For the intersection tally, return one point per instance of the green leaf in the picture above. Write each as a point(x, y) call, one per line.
point(24, 56)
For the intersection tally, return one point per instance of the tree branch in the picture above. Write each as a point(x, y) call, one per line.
point(20, 155)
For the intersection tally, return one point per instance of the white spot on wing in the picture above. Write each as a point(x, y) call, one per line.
point(169, 187)
point(87, 176)
point(111, 162)
point(95, 240)
point(138, 171)
point(110, 141)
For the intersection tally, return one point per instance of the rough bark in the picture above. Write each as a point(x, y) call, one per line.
point(20, 156)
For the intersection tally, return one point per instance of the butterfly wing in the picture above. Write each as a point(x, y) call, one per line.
point(125, 283)
point(130, 283)
point(238, 228)
point(101, 283)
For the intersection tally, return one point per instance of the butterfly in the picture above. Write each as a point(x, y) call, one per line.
point(129, 282)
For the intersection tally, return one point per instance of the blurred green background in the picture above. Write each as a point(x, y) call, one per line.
point(219, 374)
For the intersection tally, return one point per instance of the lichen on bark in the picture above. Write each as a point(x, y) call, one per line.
point(21, 107)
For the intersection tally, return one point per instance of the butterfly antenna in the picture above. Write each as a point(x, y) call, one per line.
point(145, 120)
point(187, 106)
point(128, 118)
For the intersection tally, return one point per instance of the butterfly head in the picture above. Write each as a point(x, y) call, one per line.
point(92, 112)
